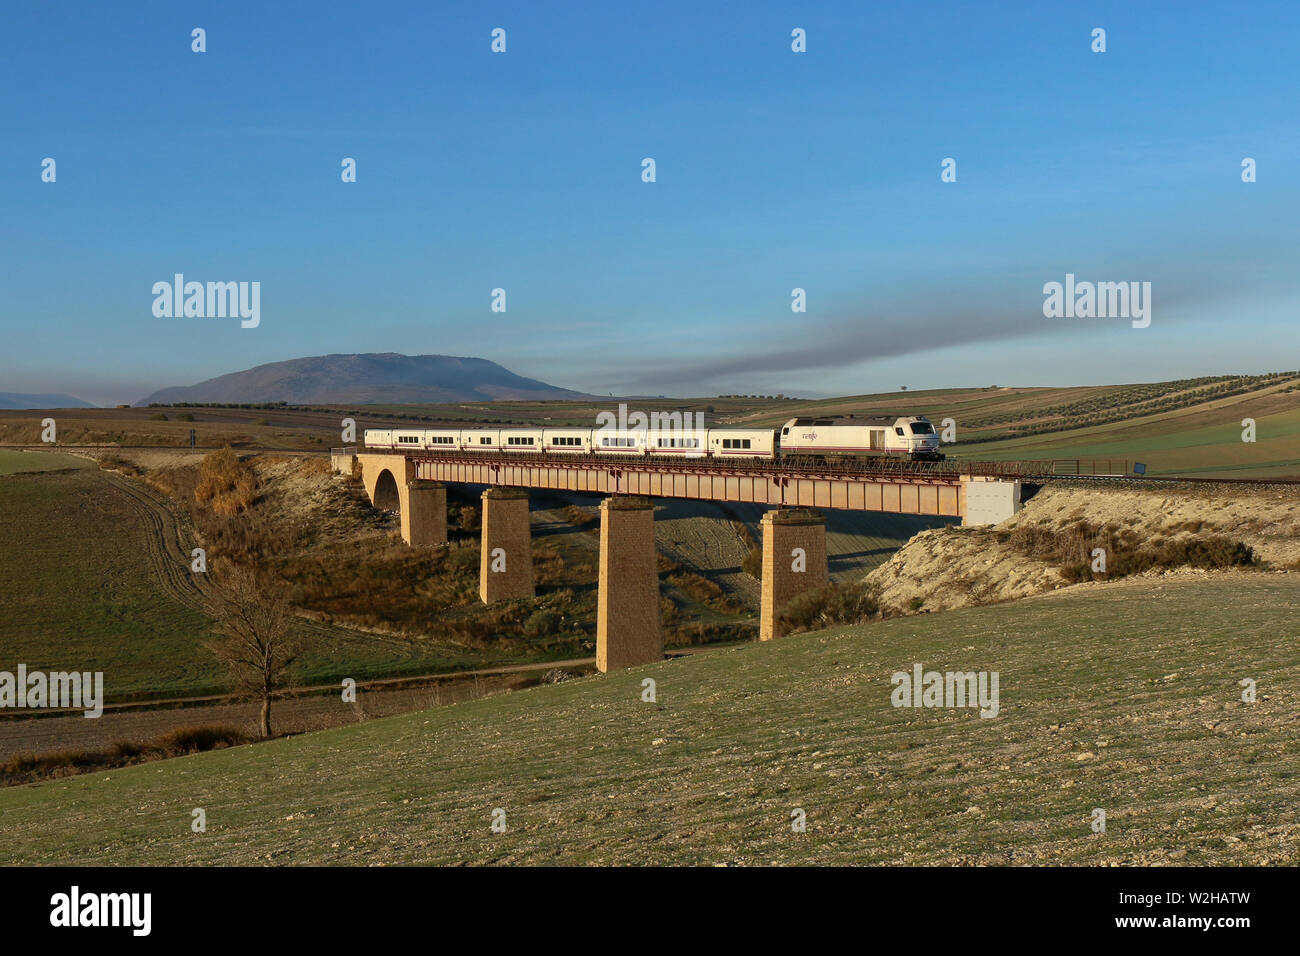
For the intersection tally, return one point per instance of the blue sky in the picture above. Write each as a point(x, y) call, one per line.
point(775, 170)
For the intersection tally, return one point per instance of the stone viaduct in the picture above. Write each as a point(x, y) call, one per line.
point(628, 619)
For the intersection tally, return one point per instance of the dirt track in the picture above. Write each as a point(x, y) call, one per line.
point(169, 552)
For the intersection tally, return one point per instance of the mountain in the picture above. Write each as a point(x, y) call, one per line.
point(370, 378)
point(27, 400)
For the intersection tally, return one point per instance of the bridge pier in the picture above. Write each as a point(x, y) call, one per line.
point(794, 560)
point(506, 564)
point(424, 513)
point(628, 628)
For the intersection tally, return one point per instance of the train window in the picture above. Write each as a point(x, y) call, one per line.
point(898, 431)
point(744, 443)
point(922, 428)
point(785, 431)
point(485, 441)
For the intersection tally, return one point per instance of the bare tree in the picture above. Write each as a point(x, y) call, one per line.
point(257, 638)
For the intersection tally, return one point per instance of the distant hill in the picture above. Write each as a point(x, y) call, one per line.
point(25, 400)
point(371, 378)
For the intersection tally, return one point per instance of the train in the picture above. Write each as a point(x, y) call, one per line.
point(819, 439)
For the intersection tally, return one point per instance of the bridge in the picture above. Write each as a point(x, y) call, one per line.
point(628, 624)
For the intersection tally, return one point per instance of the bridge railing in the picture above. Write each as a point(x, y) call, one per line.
point(1093, 467)
point(902, 468)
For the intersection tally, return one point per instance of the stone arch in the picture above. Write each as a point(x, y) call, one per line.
point(386, 496)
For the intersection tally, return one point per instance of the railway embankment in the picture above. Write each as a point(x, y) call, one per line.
point(1069, 535)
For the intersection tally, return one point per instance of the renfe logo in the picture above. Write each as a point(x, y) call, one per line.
point(103, 909)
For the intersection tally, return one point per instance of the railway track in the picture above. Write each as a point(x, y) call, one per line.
point(1171, 480)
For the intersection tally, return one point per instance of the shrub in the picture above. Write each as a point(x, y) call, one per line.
point(542, 623)
point(578, 517)
point(471, 519)
point(201, 737)
point(118, 464)
point(1127, 552)
point(828, 606)
point(227, 483)
point(707, 592)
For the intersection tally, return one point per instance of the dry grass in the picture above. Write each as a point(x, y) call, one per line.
point(28, 768)
point(1072, 547)
point(226, 485)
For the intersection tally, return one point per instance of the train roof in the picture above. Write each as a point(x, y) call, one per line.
point(849, 420)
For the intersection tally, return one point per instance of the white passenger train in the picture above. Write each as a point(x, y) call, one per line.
point(816, 438)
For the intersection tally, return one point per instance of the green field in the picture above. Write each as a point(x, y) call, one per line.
point(1123, 697)
point(1205, 445)
point(80, 594)
point(20, 462)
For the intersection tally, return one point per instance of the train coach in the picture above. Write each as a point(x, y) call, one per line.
point(822, 439)
point(677, 443)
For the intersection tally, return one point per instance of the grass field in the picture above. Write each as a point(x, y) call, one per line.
point(1122, 696)
point(22, 462)
point(79, 593)
point(1205, 442)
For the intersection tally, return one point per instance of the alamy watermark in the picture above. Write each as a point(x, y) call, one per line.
point(58, 689)
point(953, 689)
point(1098, 300)
point(73, 909)
point(212, 300)
point(681, 432)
